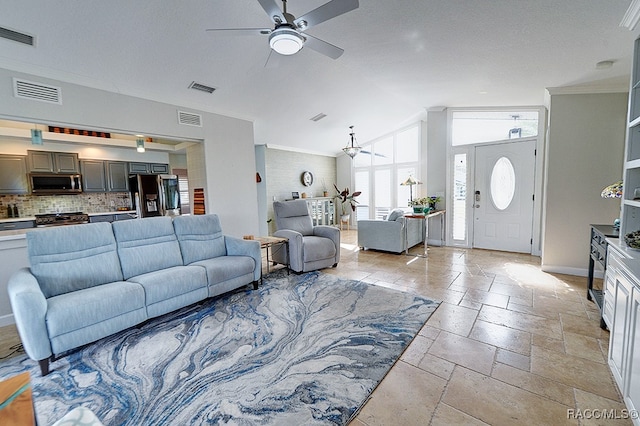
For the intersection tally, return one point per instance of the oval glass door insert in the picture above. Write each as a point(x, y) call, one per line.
point(503, 183)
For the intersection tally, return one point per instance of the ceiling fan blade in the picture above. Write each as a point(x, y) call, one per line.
point(323, 47)
point(274, 60)
point(325, 12)
point(272, 9)
point(241, 31)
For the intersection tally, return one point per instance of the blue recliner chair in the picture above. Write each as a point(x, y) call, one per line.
point(310, 247)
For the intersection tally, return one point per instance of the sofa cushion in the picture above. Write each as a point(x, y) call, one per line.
point(200, 237)
point(318, 248)
point(293, 215)
point(146, 245)
point(70, 258)
point(225, 268)
point(79, 309)
point(171, 282)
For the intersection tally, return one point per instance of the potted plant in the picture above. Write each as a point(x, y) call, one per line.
point(433, 200)
point(347, 199)
point(419, 205)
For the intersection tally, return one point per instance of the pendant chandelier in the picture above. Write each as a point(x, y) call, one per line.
point(352, 149)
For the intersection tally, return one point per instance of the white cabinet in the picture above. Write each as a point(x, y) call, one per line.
point(630, 206)
point(632, 390)
point(623, 318)
point(621, 290)
point(322, 210)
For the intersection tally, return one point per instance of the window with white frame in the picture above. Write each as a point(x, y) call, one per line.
point(381, 167)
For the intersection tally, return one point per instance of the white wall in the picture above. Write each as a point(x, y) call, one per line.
point(584, 154)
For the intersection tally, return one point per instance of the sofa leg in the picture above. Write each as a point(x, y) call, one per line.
point(335, 265)
point(44, 366)
point(255, 285)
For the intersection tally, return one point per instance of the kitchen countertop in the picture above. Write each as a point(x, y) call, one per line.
point(18, 219)
point(18, 234)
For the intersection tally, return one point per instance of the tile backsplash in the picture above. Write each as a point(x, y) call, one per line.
point(88, 202)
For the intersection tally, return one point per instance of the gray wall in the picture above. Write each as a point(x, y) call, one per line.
point(584, 154)
point(228, 175)
point(435, 159)
point(283, 171)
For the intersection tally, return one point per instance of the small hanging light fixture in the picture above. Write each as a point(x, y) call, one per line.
point(352, 149)
point(139, 143)
point(36, 136)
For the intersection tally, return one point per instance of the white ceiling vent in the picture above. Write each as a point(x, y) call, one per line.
point(201, 87)
point(36, 91)
point(189, 119)
point(23, 38)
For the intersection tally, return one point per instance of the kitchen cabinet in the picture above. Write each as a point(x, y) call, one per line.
point(117, 176)
point(13, 174)
point(149, 168)
point(93, 176)
point(21, 224)
point(160, 169)
point(101, 218)
point(111, 217)
point(52, 162)
point(104, 176)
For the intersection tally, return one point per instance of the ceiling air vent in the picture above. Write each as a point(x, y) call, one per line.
point(189, 119)
point(318, 117)
point(201, 87)
point(36, 91)
point(16, 36)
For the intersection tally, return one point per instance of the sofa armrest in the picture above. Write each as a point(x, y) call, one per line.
point(29, 311)
point(332, 233)
point(295, 260)
point(382, 234)
point(239, 247)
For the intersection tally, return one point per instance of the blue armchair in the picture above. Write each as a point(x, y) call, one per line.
point(310, 247)
point(389, 234)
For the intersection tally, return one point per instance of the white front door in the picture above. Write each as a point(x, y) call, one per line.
point(503, 196)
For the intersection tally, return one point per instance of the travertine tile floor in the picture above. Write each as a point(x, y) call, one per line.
point(509, 344)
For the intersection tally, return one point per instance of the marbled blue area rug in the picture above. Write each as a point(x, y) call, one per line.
point(301, 350)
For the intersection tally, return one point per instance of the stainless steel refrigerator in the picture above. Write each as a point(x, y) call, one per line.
point(155, 195)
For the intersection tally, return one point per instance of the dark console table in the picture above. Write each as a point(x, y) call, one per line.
point(598, 254)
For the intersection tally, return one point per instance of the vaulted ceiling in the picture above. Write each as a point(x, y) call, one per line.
point(401, 58)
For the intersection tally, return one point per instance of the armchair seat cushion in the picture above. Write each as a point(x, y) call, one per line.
point(317, 248)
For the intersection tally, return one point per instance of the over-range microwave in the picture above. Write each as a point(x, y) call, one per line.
point(48, 183)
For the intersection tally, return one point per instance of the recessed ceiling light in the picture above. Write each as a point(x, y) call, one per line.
point(603, 65)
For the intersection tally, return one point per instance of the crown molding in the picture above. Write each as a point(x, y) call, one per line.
point(587, 89)
point(632, 16)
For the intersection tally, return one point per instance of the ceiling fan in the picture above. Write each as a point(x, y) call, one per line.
point(288, 36)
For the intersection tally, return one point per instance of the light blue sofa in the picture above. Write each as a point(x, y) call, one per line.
point(389, 234)
point(86, 282)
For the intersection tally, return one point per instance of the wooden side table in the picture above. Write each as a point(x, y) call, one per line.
point(16, 402)
point(268, 243)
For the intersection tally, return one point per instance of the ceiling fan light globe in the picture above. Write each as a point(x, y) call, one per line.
point(285, 41)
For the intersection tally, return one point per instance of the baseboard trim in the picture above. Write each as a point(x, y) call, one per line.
point(580, 272)
point(6, 320)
